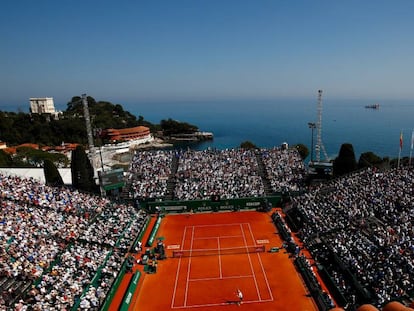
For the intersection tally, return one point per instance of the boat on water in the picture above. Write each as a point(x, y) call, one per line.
point(196, 136)
point(374, 106)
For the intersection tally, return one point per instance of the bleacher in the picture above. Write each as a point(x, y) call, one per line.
point(89, 240)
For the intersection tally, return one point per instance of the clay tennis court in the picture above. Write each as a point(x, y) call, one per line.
point(216, 254)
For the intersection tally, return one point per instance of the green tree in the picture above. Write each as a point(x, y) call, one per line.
point(36, 157)
point(171, 127)
point(5, 159)
point(19, 128)
point(368, 159)
point(303, 151)
point(248, 145)
point(345, 162)
point(75, 104)
point(52, 174)
point(82, 171)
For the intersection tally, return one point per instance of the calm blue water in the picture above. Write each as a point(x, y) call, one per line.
point(270, 123)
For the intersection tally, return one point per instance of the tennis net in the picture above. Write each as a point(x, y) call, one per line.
point(218, 252)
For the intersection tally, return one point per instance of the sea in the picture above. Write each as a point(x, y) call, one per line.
point(269, 123)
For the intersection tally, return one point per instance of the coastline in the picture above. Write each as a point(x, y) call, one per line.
point(268, 123)
point(157, 143)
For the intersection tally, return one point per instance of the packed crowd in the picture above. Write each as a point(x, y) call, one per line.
point(148, 173)
point(227, 173)
point(366, 220)
point(230, 173)
point(59, 240)
point(285, 169)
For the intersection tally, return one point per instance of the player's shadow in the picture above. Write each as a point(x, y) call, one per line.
point(234, 302)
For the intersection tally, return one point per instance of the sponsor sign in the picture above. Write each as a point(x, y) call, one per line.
point(173, 247)
point(204, 208)
point(252, 204)
point(223, 207)
point(174, 208)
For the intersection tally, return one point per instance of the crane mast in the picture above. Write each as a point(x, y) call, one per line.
point(319, 145)
point(88, 124)
point(93, 157)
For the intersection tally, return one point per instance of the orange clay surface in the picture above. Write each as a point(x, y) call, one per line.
point(268, 281)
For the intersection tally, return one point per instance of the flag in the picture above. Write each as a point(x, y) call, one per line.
point(401, 140)
point(412, 140)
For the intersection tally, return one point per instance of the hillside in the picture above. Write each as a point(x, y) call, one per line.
point(19, 128)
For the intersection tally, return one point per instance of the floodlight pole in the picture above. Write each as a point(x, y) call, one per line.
point(312, 126)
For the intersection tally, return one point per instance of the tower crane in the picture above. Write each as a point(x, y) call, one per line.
point(319, 145)
point(321, 166)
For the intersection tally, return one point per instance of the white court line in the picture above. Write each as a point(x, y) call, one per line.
point(217, 251)
point(189, 266)
point(251, 265)
point(185, 306)
point(178, 271)
point(219, 225)
point(221, 237)
point(261, 264)
point(223, 278)
point(220, 304)
point(219, 257)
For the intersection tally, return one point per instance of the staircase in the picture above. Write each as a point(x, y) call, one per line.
point(125, 193)
point(171, 182)
point(263, 174)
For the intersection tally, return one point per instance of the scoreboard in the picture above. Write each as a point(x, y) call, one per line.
point(112, 179)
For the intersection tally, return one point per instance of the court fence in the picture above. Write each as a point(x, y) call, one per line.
point(126, 302)
point(154, 231)
point(214, 205)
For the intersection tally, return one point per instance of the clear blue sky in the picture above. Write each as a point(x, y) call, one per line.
point(126, 51)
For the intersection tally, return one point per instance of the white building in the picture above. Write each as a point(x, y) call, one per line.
point(42, 105)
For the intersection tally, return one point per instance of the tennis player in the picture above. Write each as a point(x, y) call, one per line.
point(240, 296)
